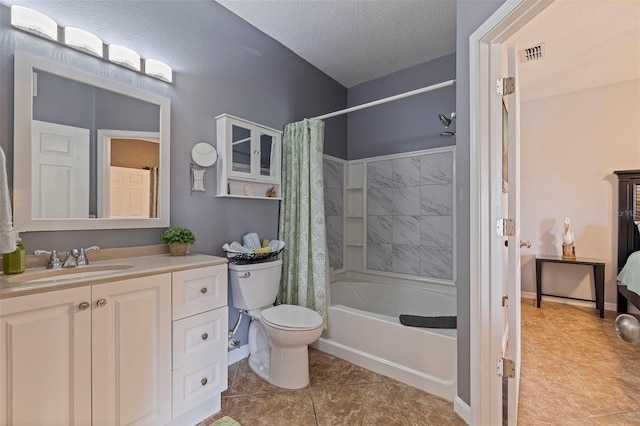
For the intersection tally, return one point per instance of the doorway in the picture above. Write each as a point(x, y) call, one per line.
point(502, 27)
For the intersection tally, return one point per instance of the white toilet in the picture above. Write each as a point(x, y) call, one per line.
point(278, 335)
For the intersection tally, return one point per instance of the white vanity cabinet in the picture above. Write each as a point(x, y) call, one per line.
point(96, 355)
point(249, 159)
point(149, 350)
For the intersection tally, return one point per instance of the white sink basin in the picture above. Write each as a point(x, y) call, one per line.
point(49, 275)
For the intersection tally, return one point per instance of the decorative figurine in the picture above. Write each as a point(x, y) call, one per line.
point(568, 249)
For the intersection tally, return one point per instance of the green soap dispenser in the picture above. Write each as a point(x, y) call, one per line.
point(16, 261)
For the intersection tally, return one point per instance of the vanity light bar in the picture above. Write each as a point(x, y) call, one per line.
point(34, 22)
point(83, 40)
point(41, 25)
point(158, 69)
point(124, 56)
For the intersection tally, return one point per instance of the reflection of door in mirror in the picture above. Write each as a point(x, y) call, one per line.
point(93, 108)
point(128, 164)
point(60, 164)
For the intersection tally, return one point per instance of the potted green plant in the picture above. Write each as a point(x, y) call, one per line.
point(178, 239)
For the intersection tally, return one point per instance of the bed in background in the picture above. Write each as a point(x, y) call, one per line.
point(628, 233)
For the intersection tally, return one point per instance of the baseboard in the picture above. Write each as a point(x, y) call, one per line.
point(462, 409)
point(587, 304)
point(238, 354)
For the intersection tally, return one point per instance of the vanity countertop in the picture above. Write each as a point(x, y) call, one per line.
point(99, 272)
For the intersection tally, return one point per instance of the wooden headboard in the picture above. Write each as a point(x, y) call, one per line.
point(628, 211)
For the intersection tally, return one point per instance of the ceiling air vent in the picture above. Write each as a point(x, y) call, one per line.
point(532, 53)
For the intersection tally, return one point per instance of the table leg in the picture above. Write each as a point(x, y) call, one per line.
point(538, 282)
point(598, 275)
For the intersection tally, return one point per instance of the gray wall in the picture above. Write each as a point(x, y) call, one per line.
point(221, 64)
point(470, 15)
point(408, 124)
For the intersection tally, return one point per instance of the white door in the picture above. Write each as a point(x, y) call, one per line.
point(129, 192)
point(60, 171)
point(512, 350)
point(45, 359)
point(131, 344)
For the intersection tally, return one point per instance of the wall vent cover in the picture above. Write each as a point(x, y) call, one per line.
point(533, 53)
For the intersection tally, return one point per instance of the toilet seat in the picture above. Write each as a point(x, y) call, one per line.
point(291, 317)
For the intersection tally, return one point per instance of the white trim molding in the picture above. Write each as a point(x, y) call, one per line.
point(462, 409)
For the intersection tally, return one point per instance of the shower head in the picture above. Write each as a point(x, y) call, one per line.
point(446, 121)
point(448, 134)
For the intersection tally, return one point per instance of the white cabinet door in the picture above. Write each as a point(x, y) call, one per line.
point(131, 344)
point(45, 359)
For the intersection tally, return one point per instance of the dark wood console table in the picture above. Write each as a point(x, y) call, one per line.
point(598, 276)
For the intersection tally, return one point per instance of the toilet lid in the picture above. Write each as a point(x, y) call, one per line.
point(292, 317)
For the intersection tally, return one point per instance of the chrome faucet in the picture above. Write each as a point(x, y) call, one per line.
point(72, 258)
point(75, 257)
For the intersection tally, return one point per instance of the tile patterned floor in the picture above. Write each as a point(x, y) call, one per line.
point(340, 393)
point(575, 371)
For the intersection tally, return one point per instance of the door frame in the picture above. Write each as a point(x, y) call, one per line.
point(485, 327)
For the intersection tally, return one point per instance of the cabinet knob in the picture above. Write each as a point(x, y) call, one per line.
point(204, 336)
point(101, 302)
point(203, 290)
point(204, 381)
point(84, 306)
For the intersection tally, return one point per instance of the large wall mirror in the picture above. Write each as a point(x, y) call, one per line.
point(89, 153)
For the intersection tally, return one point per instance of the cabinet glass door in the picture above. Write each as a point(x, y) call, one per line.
point(268, 154)
point(240, 150)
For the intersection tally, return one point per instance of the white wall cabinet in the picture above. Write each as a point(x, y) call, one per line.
point(249, 159)
point(102, 354)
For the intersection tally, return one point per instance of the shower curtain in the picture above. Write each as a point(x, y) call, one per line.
point(302, 224)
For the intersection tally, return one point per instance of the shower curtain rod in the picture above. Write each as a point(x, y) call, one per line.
point(389, 99)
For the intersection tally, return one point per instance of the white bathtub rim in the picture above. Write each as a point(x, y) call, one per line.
point(445, 389)
point(436, 287)
point(386, 318)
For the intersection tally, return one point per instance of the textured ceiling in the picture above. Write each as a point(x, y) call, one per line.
point(588, 44)
point(355, 41)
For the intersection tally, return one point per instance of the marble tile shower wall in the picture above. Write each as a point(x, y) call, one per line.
point(334, 210)
point(410, 215)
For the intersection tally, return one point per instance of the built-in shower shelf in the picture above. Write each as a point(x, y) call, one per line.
point(354, 244)
point(355, 188)
point(354, 216)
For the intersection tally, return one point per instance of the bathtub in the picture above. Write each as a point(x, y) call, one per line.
point(364, 329)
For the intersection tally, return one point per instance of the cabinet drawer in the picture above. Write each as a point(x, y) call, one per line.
point(199, 290)
point(202, 336)
point(198, 382)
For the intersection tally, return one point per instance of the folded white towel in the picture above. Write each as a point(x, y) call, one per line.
point(251, 240)
point(7, 236)
point(240, 249)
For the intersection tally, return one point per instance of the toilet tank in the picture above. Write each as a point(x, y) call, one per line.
point(256, 285)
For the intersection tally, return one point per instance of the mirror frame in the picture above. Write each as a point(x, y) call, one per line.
point(23, 116)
